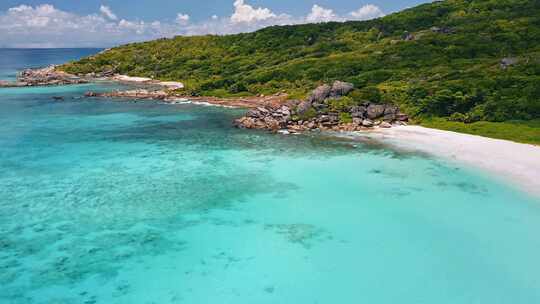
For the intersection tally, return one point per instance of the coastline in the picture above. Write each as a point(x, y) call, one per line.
point(505, 160)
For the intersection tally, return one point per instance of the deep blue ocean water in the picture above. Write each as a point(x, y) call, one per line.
point(139, 202)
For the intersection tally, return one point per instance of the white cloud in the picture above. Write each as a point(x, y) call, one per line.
point(321, 14)
point(246, 13)
point(367, 12)
point(46, 26)
point(20, 8)
point(182, 18)
point(107, 12)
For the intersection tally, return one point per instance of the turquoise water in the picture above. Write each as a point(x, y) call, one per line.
point(123, 202)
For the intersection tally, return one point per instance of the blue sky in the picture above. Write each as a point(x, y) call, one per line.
point(103, 23)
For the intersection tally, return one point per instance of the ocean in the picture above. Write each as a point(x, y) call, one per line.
point(104, 201)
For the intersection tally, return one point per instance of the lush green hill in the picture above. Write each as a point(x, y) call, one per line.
point(454, 71)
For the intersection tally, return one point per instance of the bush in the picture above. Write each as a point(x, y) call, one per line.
point(342, 104)
point(345, 117)
point(308, 115)
point(458, 117)
point(367, 94)
point(237, 88)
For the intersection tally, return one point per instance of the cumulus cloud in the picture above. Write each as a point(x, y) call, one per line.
point(321, 14)
point(182, 18)
point(46, 26)
point(367, 12)
point(246, 13)
point(107, 12)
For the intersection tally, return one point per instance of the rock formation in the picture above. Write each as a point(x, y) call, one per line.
point(48, 76)
point(293, 117)
point(132, 94)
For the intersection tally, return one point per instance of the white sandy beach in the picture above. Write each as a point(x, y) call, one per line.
point(172, 85)
point(513, 162)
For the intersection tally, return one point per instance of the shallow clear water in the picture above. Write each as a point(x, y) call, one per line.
point(121, 202)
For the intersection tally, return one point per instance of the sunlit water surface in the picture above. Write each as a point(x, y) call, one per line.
point(121, 202)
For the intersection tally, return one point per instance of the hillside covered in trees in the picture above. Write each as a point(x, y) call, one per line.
point(465, 60)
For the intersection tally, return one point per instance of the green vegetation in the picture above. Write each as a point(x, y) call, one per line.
point(345, 117)
point(308, 115)
point(527, 132)
point(443, 59)
point(342, 104)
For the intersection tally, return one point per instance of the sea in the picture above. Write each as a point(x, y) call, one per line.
point(108, 201)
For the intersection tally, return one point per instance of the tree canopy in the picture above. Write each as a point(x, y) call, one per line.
point(467, 60)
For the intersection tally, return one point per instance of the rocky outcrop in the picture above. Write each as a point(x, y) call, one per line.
point(442, 30)
point(132, 94)
point(291, 118)
point(340, 88)
point(320, 94)
point(408, 36)
point(508, 62)
point(48, 76)
point(374, 111)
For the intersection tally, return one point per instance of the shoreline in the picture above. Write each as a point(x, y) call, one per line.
point(249, 102)
point(507, 161)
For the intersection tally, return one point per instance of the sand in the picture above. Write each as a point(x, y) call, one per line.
point(511, 162)
point(172, 85)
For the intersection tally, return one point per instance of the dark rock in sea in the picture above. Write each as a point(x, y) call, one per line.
point(58, 98)
point(91, 94)
point(16, 84)
point(132, 94)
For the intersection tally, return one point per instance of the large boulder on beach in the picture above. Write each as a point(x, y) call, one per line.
point(367, 123)
point(357, 121)
point(320, 94)
point(303, 107)
point(358, 111)
point(340, 88)
point(272, 124)
point(402, 117)
point(253, 113)
point(390, 113)
point(375, 111)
